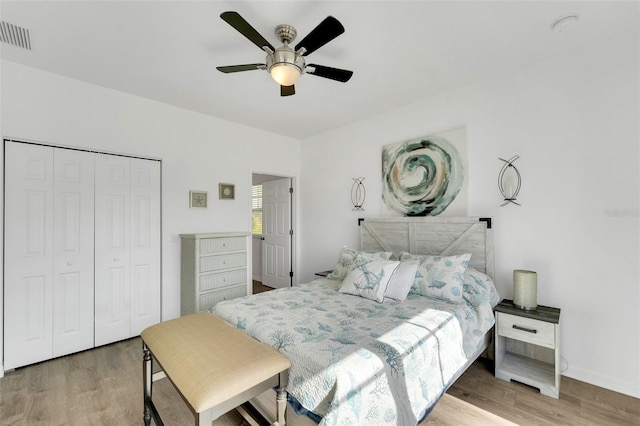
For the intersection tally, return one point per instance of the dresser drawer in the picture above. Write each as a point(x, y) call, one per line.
point(528, 330)
point(222, 279)
point(223, 261)
point(222, 245)
point(208, 300)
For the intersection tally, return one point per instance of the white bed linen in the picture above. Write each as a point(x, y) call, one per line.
point(356, 361)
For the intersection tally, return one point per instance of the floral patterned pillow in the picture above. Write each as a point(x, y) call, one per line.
point(479, 288)
point(347, 259)
point(369, 278)
point(439, 277)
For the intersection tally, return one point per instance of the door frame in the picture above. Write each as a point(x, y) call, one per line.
point(257, 178)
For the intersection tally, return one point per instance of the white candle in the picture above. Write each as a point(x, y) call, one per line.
point(525, 289)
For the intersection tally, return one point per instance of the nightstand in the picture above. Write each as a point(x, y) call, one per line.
point(527, 346)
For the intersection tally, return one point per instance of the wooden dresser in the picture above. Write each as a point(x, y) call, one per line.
point(213, 269)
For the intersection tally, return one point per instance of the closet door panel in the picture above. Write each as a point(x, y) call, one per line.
point(28, 254)
point(145, 244)
point(73, 244)
point(112, 263)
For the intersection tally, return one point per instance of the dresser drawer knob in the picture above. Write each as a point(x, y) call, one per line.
point(528, 330)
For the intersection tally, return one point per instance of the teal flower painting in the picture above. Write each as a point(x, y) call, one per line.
point(421, 177)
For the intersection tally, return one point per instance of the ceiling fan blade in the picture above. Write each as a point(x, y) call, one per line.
point(326, 31)
point(330, 73)
point(287, 90)
point(238, 22)
point(238, 68)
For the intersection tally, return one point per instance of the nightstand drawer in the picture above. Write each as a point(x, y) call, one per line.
point(527, 330)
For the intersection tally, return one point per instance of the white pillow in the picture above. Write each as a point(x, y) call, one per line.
point(401, 281)
point(369, 279)
point(347, 258)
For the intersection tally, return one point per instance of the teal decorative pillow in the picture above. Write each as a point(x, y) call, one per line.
point(369, 278)
point(347, 259)
point(479, 288)
point(439, 277)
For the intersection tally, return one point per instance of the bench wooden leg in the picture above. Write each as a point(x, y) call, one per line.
point(146, 377)
point(204, 419)
point(150, 410)
point(281, 399)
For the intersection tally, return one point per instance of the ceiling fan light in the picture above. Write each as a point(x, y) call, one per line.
point(285, 74)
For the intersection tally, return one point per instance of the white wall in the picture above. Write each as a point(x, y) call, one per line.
point(574, 122)
point(197, 151)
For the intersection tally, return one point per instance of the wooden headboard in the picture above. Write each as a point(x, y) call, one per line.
point(431, 236)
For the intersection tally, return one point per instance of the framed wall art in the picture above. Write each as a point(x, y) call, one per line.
point(227, 191)
point(427, 175)
point(197, 198)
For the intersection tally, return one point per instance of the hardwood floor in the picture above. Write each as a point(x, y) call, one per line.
point(103, 386)
point(579, 403)
point(259, 288)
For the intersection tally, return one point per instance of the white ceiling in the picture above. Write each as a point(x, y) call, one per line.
point(400, 51)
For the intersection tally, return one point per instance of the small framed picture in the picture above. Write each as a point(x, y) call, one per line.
point(227, 191)
point(197, 198)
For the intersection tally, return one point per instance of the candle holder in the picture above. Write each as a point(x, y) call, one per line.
point(358, 194)
point(525, 289)
point(509, 181)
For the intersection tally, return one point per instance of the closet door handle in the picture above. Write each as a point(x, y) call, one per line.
point(69, 263)
point(116, 259)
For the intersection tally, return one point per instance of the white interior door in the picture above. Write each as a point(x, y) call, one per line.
point(145, 244)
point(73, 185)
point(28, 254)
point(112, 265)
point(276, 231)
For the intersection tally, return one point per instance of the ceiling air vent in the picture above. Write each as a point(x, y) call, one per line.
point(15, 35)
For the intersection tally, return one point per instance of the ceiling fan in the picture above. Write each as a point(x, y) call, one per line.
point(285, 64)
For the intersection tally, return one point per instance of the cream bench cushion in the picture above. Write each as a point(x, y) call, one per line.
point(209, 361)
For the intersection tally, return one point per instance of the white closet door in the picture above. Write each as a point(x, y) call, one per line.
point(28, 254)
point(112, 266)
point(72, 251)
point(145, 244)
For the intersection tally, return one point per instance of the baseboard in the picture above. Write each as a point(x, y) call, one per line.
point(626, 387)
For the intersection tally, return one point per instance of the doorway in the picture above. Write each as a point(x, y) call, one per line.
point(272, 231)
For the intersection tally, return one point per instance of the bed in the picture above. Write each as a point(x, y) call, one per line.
point(359, 356)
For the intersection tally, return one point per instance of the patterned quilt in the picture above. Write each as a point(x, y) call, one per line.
point(356, 361)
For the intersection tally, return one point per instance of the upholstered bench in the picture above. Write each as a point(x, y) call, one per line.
point(214, 366)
